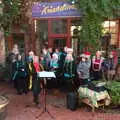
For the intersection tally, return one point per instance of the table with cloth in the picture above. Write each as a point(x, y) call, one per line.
point(93, 97)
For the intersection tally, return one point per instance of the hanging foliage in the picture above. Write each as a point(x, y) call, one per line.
point(10, 13)
point(94, 13)
point(14, 12)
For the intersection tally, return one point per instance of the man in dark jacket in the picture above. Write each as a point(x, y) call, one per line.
point(19, 75)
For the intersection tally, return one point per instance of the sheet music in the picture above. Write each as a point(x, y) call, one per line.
point(46, 74)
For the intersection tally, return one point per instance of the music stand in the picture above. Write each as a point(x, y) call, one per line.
point(45, 75)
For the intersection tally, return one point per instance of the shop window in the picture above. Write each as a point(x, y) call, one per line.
point(59, 26)
point(111, 27)
point(59, 42)
point(42, 31)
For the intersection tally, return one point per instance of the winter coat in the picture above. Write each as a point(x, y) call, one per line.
point(69, 69)
point(54, 64)
point(84, 69)
point(61, 59)
point(97, 64)
point(19, 70)
point(109, 64)
point(47, 59)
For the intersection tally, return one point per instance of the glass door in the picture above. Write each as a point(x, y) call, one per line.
point(59, 26)
point(58, 33)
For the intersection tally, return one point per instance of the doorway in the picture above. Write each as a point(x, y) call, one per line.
point(19, 40)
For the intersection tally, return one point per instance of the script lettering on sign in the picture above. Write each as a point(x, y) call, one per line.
point(55, 9)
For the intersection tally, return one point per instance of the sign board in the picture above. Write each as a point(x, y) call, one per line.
point(46, 74)
point(54, 9)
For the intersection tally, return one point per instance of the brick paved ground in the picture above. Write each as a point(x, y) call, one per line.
point(22, 108)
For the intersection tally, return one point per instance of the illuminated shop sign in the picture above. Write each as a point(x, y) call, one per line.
point(54, 9)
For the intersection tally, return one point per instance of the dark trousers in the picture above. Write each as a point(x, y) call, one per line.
point(36, 89)
point(21, 85)
point(68, 84)
point(97, 75)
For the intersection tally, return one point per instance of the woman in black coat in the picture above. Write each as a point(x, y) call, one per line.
point(19, 75)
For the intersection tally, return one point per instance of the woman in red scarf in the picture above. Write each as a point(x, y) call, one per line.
point(36, 82)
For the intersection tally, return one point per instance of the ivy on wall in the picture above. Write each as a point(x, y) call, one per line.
point(10, 13)
point(94, 13)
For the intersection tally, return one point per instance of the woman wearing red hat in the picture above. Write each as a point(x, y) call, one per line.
point(87, 54)
point(83, 68)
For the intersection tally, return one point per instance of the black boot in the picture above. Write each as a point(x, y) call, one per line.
point(36, 101)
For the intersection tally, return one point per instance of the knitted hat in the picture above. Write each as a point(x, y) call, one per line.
point(87, 54)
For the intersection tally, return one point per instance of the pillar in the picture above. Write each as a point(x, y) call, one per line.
point(68, 32)
point(49, 32)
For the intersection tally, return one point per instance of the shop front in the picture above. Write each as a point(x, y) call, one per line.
point(53, 22)
point(113, 27)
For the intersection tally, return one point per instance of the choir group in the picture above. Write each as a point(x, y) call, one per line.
point(68, 68)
